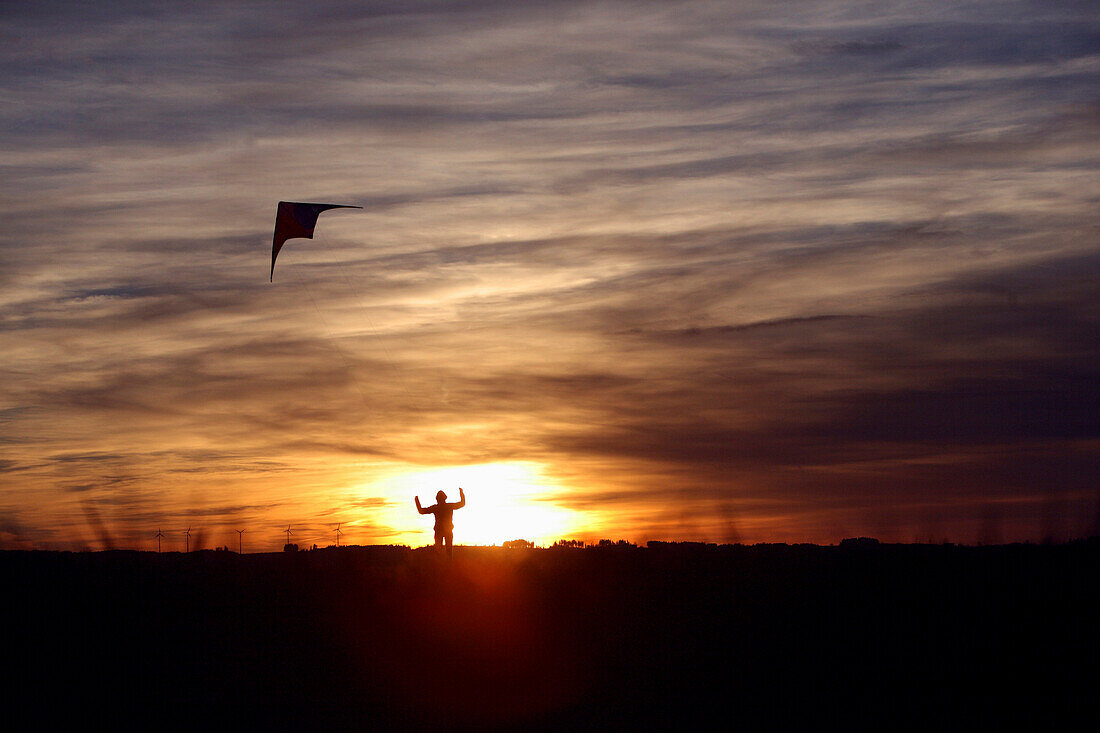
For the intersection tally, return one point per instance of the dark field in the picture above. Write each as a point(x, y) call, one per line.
point(877, 637)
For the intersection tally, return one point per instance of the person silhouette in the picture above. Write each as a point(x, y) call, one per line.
point(444, 527)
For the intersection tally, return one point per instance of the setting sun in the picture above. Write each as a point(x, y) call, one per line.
point(504, 501)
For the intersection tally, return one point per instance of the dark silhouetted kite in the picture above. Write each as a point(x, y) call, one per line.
point(296, 221)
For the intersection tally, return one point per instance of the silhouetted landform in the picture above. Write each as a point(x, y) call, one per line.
point(860, 542)
point(672, 635)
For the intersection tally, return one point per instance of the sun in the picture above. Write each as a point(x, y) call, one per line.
point(504, 501)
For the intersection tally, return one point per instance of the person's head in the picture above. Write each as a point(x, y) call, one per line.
point(441, 496)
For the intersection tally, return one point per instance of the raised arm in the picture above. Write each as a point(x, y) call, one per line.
point(419, 508)
point(461, 500)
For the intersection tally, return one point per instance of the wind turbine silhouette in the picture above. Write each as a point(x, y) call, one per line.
point(158, 535)
point(240, 538)
point(287, 530)
point(187, 534)
point(338, 534)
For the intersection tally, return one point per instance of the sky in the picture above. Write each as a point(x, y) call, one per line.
point(721, 271)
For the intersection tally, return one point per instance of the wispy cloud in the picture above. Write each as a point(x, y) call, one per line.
point(724, 270)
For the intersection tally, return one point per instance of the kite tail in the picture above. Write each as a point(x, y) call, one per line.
point(276, 245)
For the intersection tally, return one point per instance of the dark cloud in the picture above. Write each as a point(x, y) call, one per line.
point(731, 272)
point(87, 457)
point(944, 44)
point(13, 528)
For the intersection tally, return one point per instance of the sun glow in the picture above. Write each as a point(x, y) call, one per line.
point(504, 501)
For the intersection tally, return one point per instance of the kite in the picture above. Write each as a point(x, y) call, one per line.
point(296, 221)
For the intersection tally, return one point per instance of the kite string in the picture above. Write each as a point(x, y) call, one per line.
point(331, 341)
point(353, 287)
point(348, 360)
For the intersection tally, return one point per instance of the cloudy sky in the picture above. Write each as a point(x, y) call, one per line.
point(733, 271)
